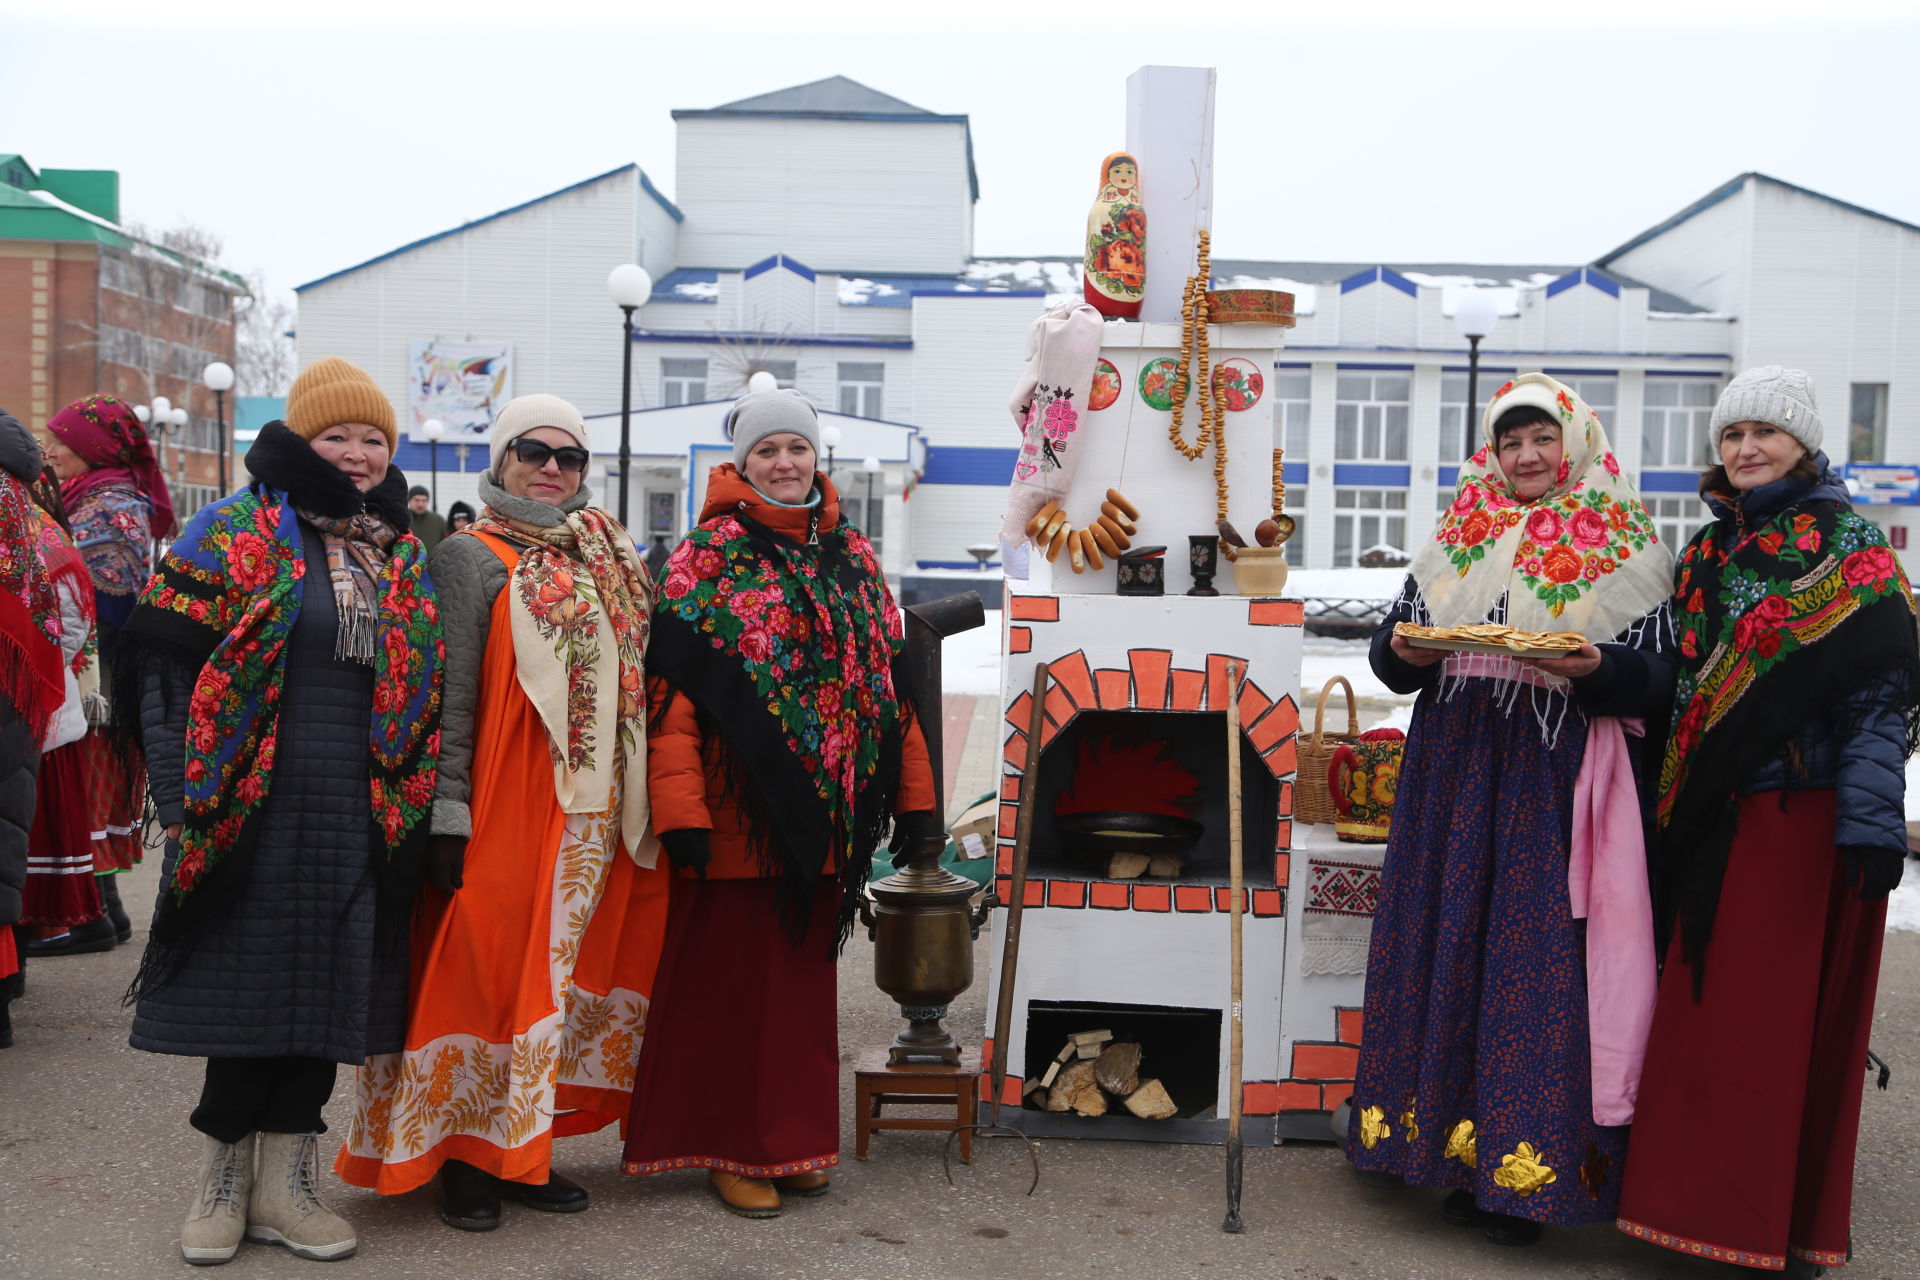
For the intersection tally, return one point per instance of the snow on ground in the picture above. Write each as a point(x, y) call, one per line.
point(1345, 584)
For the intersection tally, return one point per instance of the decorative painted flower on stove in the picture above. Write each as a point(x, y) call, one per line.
point(1373, 1127)
point(1522, 1172)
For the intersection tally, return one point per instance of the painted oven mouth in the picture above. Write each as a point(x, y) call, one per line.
point(1196, 742)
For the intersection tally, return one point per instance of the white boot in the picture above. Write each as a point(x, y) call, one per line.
point(217, 1218)
point(285, 1207)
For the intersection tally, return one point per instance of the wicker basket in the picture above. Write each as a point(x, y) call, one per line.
point(1312, 797)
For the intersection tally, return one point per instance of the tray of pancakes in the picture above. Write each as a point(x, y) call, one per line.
point(1492, 637)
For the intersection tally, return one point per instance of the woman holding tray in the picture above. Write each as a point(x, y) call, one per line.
point(1511, 971)
point(1782, 816)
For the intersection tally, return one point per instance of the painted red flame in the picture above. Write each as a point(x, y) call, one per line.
point(1142, 778)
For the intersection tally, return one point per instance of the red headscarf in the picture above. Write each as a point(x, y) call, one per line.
point(111, 441)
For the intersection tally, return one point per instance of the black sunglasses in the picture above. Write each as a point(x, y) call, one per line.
point(536, 452)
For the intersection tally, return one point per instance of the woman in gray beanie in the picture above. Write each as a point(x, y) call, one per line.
point(1781, 830)
point(779, 752)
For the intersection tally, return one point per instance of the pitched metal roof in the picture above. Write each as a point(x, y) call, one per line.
point(1727, 189)
point(835, 94)
point(646, 185)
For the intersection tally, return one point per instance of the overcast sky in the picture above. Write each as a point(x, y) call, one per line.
point(1356, 132)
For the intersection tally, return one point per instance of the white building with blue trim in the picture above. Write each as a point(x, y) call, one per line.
point(824, 233)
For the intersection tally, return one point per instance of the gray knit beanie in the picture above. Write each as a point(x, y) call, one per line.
point(760, 414)
point(1772, 394)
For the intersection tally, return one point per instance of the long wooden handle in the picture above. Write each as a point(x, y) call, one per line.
point(1017, 889)
point(1236, 880)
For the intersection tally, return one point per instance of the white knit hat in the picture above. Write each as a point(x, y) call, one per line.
point(760, 414)
point(1775, 395)
point(527, 413)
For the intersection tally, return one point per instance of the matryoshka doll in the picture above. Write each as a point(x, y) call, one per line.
point(1116, 275)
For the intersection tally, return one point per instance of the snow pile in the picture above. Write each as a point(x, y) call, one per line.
point(1058, 278)
point(1505, 293)
point(855, 291)
point(697, 291)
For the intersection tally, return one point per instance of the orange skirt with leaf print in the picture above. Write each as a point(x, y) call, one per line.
point(530, 985)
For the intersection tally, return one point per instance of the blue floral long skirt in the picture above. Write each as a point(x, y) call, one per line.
point(1474, 1068)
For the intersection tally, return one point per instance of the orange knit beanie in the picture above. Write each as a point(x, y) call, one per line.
point(329, 392)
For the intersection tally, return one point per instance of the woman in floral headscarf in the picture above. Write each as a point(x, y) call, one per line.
point(118, 506)
point(1511, 969)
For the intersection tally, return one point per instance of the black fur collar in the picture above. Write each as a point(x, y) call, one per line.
point(283, 460)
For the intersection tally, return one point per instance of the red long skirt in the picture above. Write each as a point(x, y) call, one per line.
point(60, 889)
point(740, 1070)
point(119, 789)
point(1749, 1108)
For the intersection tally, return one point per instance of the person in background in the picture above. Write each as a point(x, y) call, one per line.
point(459, 516)
point(428, 526)
point(780, 752)
point(117, 502)
point(657, 555)
point(32, 686)
point(1494, 1064)
point(536, 945)
point(1782, 829)
point(287, 657)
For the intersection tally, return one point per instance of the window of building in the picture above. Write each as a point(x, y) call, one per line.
point(1867, 422)
point(1366, 518)
point(1293, 398)
point(785, 372)
point(682, 381)
point(1297, 544)
point(861, 383)
point(1602, 394)
point(1676, 518)
point(1674, 421)
point(1455, 430)
point(1370, 417)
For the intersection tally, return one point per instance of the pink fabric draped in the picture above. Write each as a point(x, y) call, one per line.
point(1607, 883)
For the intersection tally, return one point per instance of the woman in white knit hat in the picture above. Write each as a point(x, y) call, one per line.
point(537, 943)
point(1782, 828)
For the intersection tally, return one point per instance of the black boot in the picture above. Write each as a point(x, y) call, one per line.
point(95, 935)
point(1460, 1210)
point(555, 1195)
point(469, 1198)
point(1504, 1228)
point(116, 914)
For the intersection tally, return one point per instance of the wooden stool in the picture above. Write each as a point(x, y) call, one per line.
point(915, 1084)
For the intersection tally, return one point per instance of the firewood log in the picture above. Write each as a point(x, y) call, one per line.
point(1165, 866)
point(1150, 1102)
point(1077, 1090)
point(1127, 866)
point(1118, 1069)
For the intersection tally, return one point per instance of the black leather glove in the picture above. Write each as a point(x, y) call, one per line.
point(446, 862)
point(1876, 871)
point(689, 848)
point(909, 830)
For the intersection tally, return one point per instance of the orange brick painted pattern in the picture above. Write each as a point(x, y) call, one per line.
point(1153, 897)
point(1107, 895)
point(1189, 691)
point(1072, 674)
point(1192, 897)
point(1115, 689)
point(1259, 1097)
point(1218, 690)
point(1283, 759)
point(1253, 704)
point(1223, 899)
point(1282, 863)
point(1009, 819)
point(1034, 608)
point(1325, 1061)
point(1350, 1021)
point(1293, 1095)
point(1275, 613)
point(1015, 752)
point(1020, 711)
point(1269, 902)
point(1019, 639)
point(1066, 893)
point(1150, 677)
point(1059, 706)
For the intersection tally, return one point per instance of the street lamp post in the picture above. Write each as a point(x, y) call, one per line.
point(1476, 314)
point(160, 411)
point(218, 378)
point(870, 465)
point(433, 429)
point(830, 437)
point(629, 286)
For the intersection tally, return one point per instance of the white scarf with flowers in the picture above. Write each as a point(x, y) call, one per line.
point(1582, 557)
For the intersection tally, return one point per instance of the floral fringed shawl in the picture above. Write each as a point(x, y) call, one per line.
point(1778, 622)
point(227, 594)
point(788, 651)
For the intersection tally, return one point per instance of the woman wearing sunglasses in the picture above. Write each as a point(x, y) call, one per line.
point(536, 944)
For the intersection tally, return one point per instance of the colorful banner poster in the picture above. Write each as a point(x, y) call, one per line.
point(461, 383)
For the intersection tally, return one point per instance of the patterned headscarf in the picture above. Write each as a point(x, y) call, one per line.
point(1581, 557)
point(113, 444)
point(29, 626)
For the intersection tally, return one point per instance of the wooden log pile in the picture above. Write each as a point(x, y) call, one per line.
point(1091, 1072)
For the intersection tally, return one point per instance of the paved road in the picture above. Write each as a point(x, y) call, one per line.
point(96, 1161)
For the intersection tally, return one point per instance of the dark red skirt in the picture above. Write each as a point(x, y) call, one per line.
point(119, 789)
point(60, 888)
point(740, 1070)
point(1749, 1107)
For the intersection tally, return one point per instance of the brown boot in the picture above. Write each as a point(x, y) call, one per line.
point(804, 1184)
point(747, 1197)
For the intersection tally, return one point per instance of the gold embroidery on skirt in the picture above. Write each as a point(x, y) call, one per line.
point(1373, 1127)
point(1460, 1145)
point(1522, 1172)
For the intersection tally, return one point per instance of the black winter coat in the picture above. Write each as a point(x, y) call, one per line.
point(19, 774)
